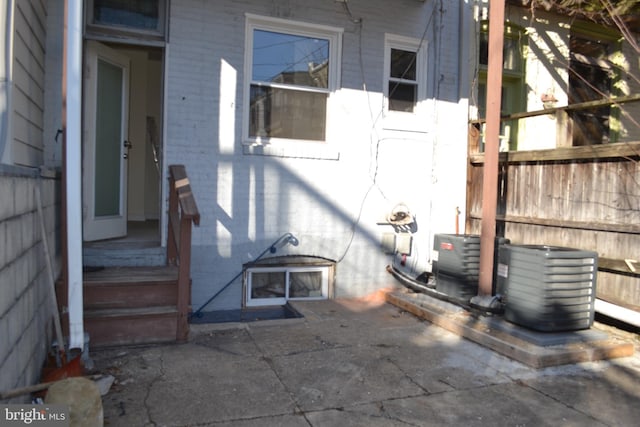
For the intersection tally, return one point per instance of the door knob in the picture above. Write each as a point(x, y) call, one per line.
point(128, 144)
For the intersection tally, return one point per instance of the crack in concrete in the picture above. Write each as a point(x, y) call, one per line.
point(384, 414)
point(157, 378)
point(566, 405)
point(409, 377)
point(269, 361)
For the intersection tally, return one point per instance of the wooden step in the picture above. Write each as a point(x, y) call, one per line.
point(130, 287)
point(130, 305)
point(130, 326)
point(134, 254)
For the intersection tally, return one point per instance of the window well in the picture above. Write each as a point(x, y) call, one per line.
point(274, 281)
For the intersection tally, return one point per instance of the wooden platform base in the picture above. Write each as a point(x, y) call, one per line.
point(508, 340)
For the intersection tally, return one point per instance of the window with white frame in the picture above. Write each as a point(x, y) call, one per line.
point(277, 285)
point(291, 70)
point(405, 77)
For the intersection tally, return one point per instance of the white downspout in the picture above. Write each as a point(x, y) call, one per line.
point(72, 123)
point(6, 63)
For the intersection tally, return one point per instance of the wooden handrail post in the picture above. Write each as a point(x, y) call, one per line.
point(172, 249)
point(183, 210)
point(184, 280)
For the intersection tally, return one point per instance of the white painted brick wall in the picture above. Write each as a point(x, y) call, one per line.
point(247, 201)
point(25, 310)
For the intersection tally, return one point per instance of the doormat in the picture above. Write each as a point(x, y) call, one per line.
point(246, 315)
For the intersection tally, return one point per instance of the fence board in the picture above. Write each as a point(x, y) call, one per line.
point(591, 204)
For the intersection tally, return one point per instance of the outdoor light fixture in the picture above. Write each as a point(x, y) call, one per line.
point(285, 239)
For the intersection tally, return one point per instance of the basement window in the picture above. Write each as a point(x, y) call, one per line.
point(287, 280)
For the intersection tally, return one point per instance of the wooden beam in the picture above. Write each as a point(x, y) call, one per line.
point(572, 107)
point(562, 223)
point(601, 151)
point(490, 172)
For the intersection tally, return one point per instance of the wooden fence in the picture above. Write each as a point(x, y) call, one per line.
point(580, 197)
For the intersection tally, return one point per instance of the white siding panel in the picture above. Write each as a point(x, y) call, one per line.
point(29, 87)
point(28, 83)
point(29, 23)
point(25, 109)
point(25, 155)
point(29, 41)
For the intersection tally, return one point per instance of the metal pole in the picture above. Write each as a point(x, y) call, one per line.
point(72, 93)
point(492, 134)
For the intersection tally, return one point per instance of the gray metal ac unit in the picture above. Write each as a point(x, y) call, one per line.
point(548, 288)
point(456, 264)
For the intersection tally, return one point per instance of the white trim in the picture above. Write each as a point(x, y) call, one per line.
point(398, 120)
point(163, 208)
point(6, 82)
point(74, 172)
point(121, 40)
point(302, 28)
point(333, 35)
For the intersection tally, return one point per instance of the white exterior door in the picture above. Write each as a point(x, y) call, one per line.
point(105, 143)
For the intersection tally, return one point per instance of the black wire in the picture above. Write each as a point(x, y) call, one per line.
point(378, 140)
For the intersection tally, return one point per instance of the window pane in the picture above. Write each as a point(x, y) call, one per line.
point(290, 59)
point(587, 83)
point(403, 64)
point(589, 80)
point(268, 285)
point(484, 49)
point(512, 57)
point(509, 104)
point(287, 113)
point(402, 96)
point(590, 48)
point(511, 53)
point(305, 284)
point(108, 139)
point(140, 14)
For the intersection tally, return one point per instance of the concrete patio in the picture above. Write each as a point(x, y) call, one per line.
point(356, 363)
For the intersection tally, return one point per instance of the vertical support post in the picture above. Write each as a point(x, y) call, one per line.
point(563, 129)
point(182, 212)
point(492, 143)
point(172, 250)
point(184, 280)
point(72, 118)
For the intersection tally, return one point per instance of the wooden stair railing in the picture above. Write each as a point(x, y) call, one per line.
point(183, 211)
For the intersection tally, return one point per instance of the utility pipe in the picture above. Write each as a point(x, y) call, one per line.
point(492, 142)
point(72, 175)
point(617, 312)
point(6, 78)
